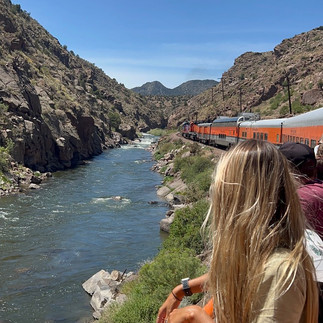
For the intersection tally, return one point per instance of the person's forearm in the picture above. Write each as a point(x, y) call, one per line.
point(197, 285)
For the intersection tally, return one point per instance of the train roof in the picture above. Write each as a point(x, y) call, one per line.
point(205, 124)
point(266, 123)
point(228, 119)
point(311, 118)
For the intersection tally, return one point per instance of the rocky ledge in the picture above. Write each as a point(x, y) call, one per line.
point(20, 179)
point(104, 288)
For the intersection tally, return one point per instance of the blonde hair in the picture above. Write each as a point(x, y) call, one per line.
point(254, 211)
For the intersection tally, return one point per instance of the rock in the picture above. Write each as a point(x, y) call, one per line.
point(115, 275)
point(101, 297)
point(186, 154)
point(35, 180)
point(91, 284)
point(104, 288)
point(166, 223)
point(312, 96)
point(163, 191)
point(33, 186)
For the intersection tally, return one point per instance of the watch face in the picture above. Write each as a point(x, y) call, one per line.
point(186, 287)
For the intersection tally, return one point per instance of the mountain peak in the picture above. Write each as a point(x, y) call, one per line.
point(189, 88)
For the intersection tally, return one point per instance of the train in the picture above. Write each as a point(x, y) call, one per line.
point(306, 128)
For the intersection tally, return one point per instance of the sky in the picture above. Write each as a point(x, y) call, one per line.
point(171, 41)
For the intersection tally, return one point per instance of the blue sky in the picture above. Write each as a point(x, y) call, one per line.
point(171, 41)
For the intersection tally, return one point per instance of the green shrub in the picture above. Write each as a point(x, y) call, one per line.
point(199, 188)
point(5, 155)
point(3, 107)
point(185, 230)
point(298, 107)
point(165, 147)
point(191, 166)
point(275, 101)
point(284, 110)
point(156, 280)
point(114, 119)
point(160, 132)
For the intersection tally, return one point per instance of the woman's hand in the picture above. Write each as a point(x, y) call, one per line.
point(189, 314)
point(169, 305)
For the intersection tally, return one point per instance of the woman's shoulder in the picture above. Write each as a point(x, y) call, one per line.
point(278, 268)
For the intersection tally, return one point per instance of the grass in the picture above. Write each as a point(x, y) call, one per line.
point(156, 280)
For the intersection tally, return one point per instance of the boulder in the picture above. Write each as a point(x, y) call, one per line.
point(312, 96)
point(163, 191)
point(166, 223)
point(104, 289)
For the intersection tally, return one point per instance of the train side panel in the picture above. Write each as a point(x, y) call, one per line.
point(224, 132)
point(270, 130)
point(306, 128)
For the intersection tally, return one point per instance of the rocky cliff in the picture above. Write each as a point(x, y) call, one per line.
point(57, 109)
point(287, 80)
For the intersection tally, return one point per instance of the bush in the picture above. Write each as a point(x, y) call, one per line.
point(165, 147)
point(114, 119)
point(185, 230)
point(156, 280)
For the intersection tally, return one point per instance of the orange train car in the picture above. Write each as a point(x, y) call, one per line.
point(305, 128)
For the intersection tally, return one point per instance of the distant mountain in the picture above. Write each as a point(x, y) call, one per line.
point(190, 88)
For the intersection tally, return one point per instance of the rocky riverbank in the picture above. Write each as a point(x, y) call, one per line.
point(20, 178)
point(171, 191)
point(104, 288)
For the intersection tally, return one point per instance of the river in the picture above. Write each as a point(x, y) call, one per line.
point(54, 238)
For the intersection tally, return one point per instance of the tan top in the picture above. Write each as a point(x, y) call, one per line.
point(287, 308)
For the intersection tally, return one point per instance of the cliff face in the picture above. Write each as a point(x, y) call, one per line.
point(56, 108)
point(259, 82)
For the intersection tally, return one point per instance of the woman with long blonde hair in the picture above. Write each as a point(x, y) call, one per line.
point(260, 270)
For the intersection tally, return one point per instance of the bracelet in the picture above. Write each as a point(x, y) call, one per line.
point(176, 297)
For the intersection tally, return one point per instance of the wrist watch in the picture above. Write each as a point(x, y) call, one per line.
point(186, 287)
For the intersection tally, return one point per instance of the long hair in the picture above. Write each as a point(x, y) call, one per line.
point(254, 211)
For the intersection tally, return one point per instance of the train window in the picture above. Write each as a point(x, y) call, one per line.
point(307, 141)
point(266, 136)
point(313, 143)
point(277, 138)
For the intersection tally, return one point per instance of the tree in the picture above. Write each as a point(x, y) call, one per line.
point(114, 120)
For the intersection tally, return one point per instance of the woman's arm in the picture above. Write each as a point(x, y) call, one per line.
point(197, 285)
